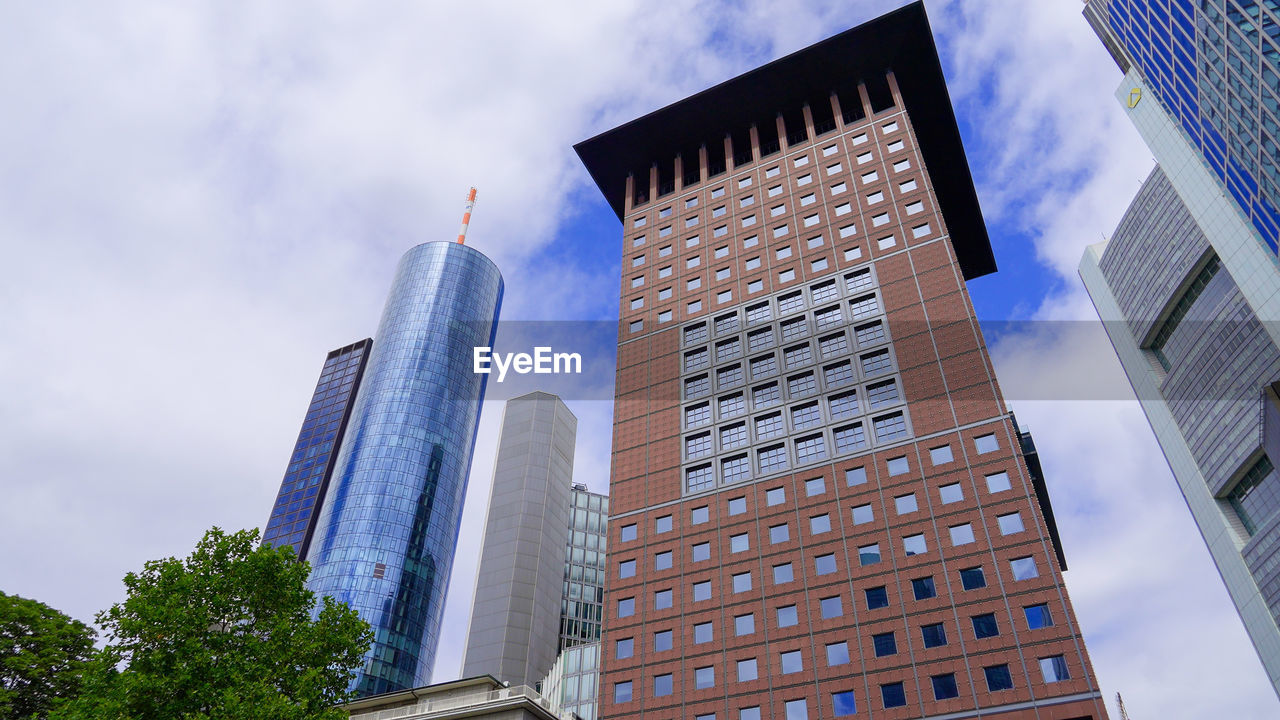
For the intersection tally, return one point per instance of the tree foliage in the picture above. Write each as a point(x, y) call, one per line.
point(42, 656)
point(226, 634)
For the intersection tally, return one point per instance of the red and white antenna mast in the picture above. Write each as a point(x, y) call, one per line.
point(466, 216)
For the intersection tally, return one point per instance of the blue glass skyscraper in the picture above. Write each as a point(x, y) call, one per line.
point(302, 491)
point(385, 537)
point(1214, 66)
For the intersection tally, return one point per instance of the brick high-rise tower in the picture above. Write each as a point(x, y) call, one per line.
point(819, 502)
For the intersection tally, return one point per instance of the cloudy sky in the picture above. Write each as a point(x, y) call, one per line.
point(199, 200)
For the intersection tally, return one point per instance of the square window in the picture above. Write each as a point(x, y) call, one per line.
point(961, 534)
point(775, 191)
point(622, 692)
point(843, 209)
point(742, 582)
point(703, 633)
point(627, 568)
point(626, 607)
point(701, 591)
point(837, 654)
point(755, 286)
point(923, 588)
point(662, 524)
point(973, 578)
point(842, 704)
point(892, 695)
point(779, 533)
point(662, 600)
point(1054, 669)
point(920, 231)
point(636, 326)
point(796, 710)
point(691, 202)
point(934, 635)
point(783, 574)
point(787, 616)
point(792, 662)
point(1038, 616)
point(664, 272)
point(850, 231)
point(984, 626)
point(824, 564)
point(662, 641)
point(940, 455)
point(693, 262)
point(722, 274)
point(880, 220)
point(985, 444)
point(747, 670)
point(1024, 568)
point(814, 486)
point(625, 648)
point(998, 482)
point(998, 677)
point(863, 514)
point(914, 545)
point(737, 506)
point(951, 493)
point(662, 685)
point(898, 466)
point(724, 296)
point(944, 686)
point(829, 150)
point(915, 208)
point(808, 199)
point(855, 476)
point(627, 533)
point(885, 644)
point(874, 197)
point(744, 181)
point(722, 252)
point(744, 624)
point(870, 177)
point(775, 496)
point(693, 283)
point(701, 552)
point(877, 597)
point(906, 503)
point(699, 515)
point(739, 543)
point(804, 179)
point(1010, 524)
point(749, 713)
point(831, 607)
point(662, 561)
point(869, 554)
point(819, 524)
point(691, 241)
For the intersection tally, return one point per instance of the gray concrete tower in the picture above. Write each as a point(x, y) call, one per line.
point(515, 619)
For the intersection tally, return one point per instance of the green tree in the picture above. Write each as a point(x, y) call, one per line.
point(42, 656)
point(226, 634)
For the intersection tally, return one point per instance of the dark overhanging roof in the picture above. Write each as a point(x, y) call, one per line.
point(900, 41)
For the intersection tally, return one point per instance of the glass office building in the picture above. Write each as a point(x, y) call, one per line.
point(302, 490)
point(385, 537)
point(1214, 66)
point(1188, 285)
